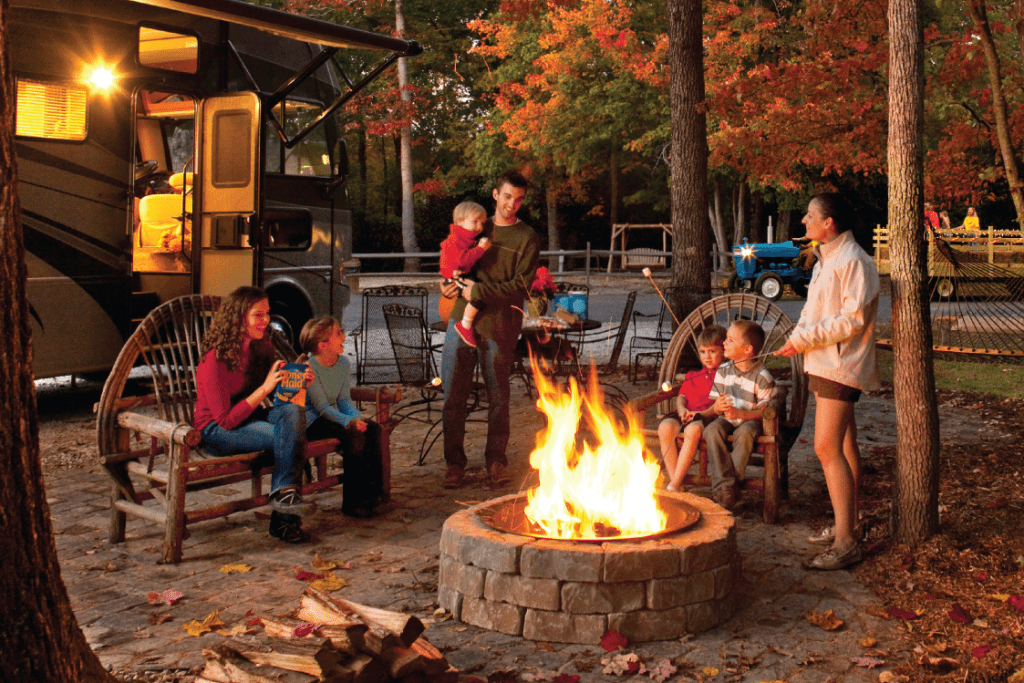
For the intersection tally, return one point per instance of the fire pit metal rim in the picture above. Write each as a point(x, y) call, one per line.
point(507, 516)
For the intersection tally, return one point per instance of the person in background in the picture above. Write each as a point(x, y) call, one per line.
point(459, 253)
point(238, 370)
point(836, 334)
point(503, 274)
point(740, 393)
point(694, 408)
point(331, 413)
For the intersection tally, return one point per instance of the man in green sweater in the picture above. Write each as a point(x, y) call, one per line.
point(502, 276)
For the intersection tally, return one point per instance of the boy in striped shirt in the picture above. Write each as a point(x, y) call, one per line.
point(741, 391)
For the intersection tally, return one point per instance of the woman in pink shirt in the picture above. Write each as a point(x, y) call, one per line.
point(239, 369)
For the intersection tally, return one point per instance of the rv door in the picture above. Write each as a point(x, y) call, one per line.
point(229, 191)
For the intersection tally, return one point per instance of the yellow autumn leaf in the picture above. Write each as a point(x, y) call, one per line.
point(868, 642)
point(826, 620)
point(236, 630)
point(198, 628)
point(1017, 677)
point(234, 568)
point(321, 565)
point(1001, 597)
point(710, 671)
point(329, 583)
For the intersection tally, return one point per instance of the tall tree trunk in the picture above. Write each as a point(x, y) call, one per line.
point(409, 243)
point(1017, 14)
point(784, 227)
point(554, 242)
point(980, 18)
point(361, 153)
point(917, 421)
point(758, 229)
point(739, 212)
point(691, 263)
point(41, 639)
point(715, 216)
point(613, 183)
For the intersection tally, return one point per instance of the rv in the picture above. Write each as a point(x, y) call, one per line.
point(172, 147)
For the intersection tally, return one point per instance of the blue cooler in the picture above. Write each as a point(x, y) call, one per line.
point(574, 302)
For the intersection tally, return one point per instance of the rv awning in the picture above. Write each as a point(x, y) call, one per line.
point(295, 26)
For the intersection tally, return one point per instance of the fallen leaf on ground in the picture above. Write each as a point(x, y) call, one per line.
point(938, 663)
point(826, 620)
point(157, 619)
point(234, 568)
point(620, 664)
point(539, 676)
point(959, 614)
point(198, 628)
point(662, 671)
point(981, 651)
point(168, 597)
point(236, 630)
point(567, 678)
point(303, 575)
point(321, 565)
point(904, 614)
point(329, 583)
point(304, 629)
point(890, 677)
point(1017, 602)
point(709, 671)
point(613, 640)
point(867, 662)
point(868, 642)
point(255, 621)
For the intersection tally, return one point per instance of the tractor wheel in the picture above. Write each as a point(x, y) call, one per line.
point(769, 285)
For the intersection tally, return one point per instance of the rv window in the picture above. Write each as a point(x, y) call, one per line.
point(51, 110)
point(311, 156)
point(168, 51)
point(288, 229)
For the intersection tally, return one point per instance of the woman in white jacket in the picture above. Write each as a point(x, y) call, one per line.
point(836, 333)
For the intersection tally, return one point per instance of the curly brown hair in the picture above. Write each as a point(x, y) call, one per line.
point(226, 332)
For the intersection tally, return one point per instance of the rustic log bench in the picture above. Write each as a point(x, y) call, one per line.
point(150, 449)
point(783, 417)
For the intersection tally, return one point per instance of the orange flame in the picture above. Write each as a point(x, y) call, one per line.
point(585, 490)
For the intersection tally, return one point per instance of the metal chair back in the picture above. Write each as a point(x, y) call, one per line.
point(410, 344)
point(375, 360)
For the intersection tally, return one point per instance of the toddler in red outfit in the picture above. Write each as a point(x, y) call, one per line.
point(459, 253)
point(694, 408)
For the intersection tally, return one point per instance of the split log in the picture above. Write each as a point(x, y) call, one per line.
point(343, 637)
point(227, 668)
point(422, 657)
point(386, 629)
point(367, 669)
point(313, 656)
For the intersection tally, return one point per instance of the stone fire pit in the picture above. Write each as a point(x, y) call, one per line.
point(573, 592)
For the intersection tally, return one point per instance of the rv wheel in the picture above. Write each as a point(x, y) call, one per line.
point(284, 328)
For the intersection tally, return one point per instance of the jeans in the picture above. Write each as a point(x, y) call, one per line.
point(283, 432)
point(458, 361)
point(727, 466)
point(362, 457)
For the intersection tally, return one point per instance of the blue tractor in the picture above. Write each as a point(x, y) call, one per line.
point(767, 268)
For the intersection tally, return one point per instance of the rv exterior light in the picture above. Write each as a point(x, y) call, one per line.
point(101, 78)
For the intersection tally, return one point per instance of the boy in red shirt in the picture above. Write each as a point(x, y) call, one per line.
point(694, 408)
point(460, 252)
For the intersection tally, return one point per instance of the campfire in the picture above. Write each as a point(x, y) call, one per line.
point(597, 480)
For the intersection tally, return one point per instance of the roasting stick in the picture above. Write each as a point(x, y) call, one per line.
point(647, 273)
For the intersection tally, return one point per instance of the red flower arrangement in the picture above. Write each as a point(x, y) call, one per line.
point(543, 283)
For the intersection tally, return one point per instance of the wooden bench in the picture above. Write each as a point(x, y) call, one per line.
point(783, 418)
point(642, 257)
point(149, 447)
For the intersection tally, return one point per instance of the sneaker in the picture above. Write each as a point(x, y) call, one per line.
point(454, 478)
point(832, 559)
point(726, 496)
point(466, 333)
point(499, 474)
point(287, 527)
point(827, 536)
point(289, 501)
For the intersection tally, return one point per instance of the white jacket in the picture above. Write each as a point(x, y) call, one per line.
point(836, 330)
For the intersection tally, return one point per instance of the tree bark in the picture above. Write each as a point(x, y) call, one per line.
point(409, 243)
point(554, 243)
point(41, 640)
point(691, 262)
point(739, 212)
point(613, 183)
point(980, 18)
point(715, 217)
point(917, 421)
point(361, 153)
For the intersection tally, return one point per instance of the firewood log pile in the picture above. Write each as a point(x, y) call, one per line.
point(331, 640)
